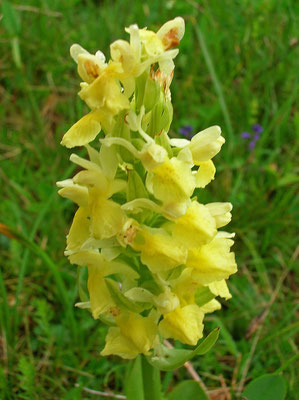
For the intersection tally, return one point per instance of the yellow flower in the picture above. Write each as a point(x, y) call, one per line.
point(206, 144)
point(100, 298)
point(96, 260)
point(83, 131)
point(156, 46)
point(165, 302)
point(172, 32)
point(221, 213)
point(107, 216)
point(184, 287)
point(196, 228)
point(211, 306)
point(152, 156)
point(133, 335)
point(98, 267)
point(135, 196)
point(123, 53)
point(101, 89)
point(89, 65)
point(219, 288)
point(205, 173)
point(158, 250)
point(80, 229)
point(105, 92)
point(90, 68)
point(152, 44)
point(213, 261)
point(172, 182)
point(70, 190)
point(183, 324)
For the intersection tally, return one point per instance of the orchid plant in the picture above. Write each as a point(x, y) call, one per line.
point(156, 259)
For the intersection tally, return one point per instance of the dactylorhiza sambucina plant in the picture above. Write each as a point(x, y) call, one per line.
point(156, 260)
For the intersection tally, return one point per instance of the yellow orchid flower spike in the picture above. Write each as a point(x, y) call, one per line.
point(156, 260)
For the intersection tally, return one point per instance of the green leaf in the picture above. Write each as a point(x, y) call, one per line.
point(203, 296)
point(266, 387)
point(134, 382)
point(106, 320)
point(135, 187)
point(174, 273)
point(188, 390)
point(151, 93)
point(140, 83)
point(163, 140)
point(288, 179)
point(174, 358)
point(16, 54)
point(122, 301)
point(155, 127)
point(10, 19)
point(167, 115)
point(122, 130)
point(152, 286)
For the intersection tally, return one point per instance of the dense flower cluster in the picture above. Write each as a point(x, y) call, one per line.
point(156, 260)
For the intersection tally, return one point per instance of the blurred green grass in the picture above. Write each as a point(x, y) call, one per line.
point(236, 67)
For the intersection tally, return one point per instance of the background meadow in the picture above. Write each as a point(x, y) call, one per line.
point(236, 68)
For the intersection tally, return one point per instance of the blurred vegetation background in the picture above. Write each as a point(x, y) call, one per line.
point(236, 68)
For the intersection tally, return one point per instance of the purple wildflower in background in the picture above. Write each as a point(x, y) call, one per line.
point(186, 130)
point(257, 128)
point(245, 135)
point(254, 136)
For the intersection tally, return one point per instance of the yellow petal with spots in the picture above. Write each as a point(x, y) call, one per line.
point(89, 67)
point(172, 32)
point(152, 43)
point(105, 92)
point(172, 182)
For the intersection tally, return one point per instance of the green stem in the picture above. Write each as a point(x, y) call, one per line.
point(143, 381)
point(151, 381)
